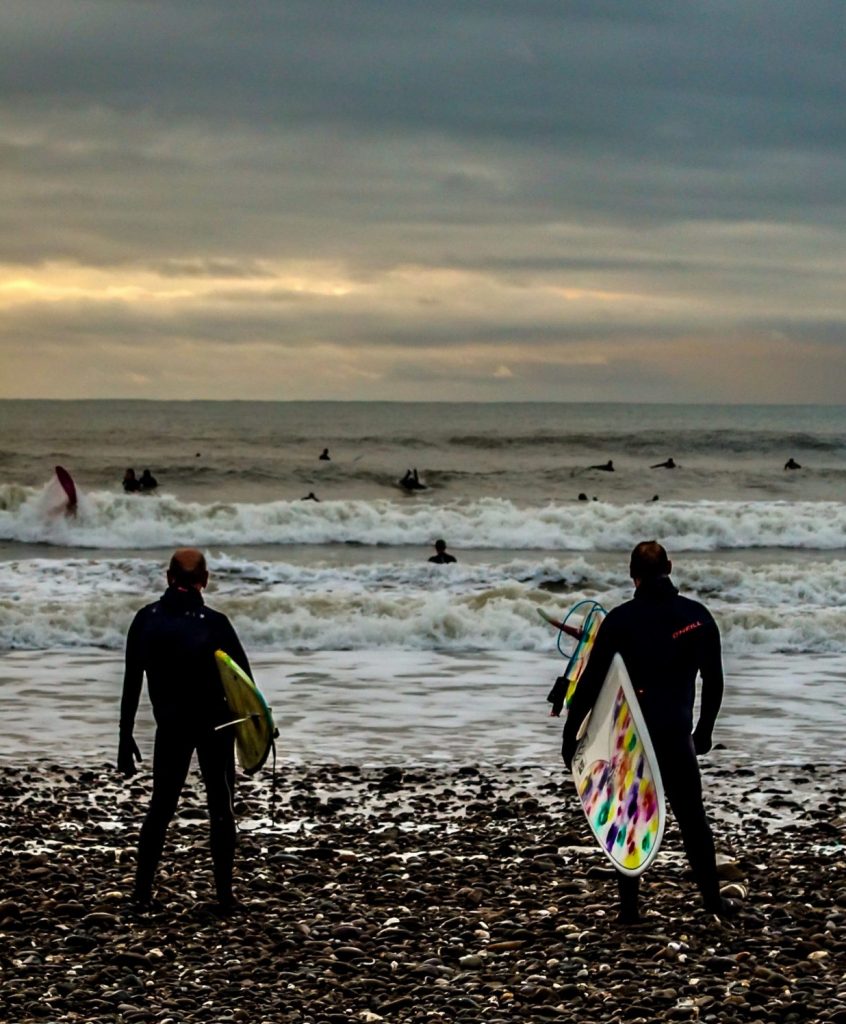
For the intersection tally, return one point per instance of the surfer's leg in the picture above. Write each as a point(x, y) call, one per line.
point(629, 889)
point(683, 789)
point(216, 755)
point(171, 760)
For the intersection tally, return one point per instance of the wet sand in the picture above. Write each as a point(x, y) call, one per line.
point(438, 895)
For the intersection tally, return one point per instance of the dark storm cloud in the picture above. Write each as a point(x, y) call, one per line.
point(689, 156)
point(636, 73)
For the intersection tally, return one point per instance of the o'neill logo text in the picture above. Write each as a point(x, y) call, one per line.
point(686, 629)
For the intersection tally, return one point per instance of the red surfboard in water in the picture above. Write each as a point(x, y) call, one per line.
point(69, 487)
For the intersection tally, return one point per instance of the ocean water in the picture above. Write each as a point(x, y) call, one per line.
point(350, 625)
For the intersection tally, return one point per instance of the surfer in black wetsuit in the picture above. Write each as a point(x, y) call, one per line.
point(443, 556)
point(411, 481)
point(665, 640)
point(669, 464)
point(130, 481)
point(792, 464)
point(324, 455)
point(606, 467)
point(173, 641)
point(147, 481)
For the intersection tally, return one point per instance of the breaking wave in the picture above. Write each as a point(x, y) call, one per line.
point(109, 521)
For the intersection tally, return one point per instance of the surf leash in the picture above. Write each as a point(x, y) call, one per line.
point(577, 632)
point(562, 691)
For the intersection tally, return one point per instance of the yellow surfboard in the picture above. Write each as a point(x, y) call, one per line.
point(252, 719)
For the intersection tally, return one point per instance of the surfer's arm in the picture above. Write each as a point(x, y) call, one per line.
point(230, 643)
point(133, 677)
point(711, 696)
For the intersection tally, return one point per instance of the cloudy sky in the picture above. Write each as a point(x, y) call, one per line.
point(399, 199)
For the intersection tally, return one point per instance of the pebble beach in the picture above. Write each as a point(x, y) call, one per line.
point(389, 893)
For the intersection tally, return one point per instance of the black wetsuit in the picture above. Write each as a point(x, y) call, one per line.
point(665, 640)
point(173, 641)
point(442, 558)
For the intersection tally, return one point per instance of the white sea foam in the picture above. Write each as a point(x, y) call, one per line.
point(67, 603)
point(108, 521)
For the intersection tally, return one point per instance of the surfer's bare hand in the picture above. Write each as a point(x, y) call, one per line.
point(128, 754)
point(701, 741)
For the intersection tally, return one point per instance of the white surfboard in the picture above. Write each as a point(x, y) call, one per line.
point(617, 776)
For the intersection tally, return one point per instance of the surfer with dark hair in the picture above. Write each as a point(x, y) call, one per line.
point(442, 556)
point(147, 481)
point(665, 640)
point(324, 455)
point(131, 483)
point(606, 467)
point(669, 464)
point(792, 464)
point(173, 641)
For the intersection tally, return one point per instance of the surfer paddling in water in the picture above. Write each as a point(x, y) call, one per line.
point(173, 641)
point(665, 640)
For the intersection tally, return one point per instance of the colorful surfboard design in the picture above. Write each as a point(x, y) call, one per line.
point(252, 720)
point(617, 776)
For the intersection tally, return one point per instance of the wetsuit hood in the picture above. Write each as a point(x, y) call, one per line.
point(661, 588)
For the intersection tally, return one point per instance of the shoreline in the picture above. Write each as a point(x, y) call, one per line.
point(395, 706)
point(416, 894)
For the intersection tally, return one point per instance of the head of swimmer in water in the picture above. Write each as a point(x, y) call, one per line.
point(649, 560)
point(188, 569)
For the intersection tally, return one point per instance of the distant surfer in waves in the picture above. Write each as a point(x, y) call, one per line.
point(147, 482)
point(311, 496)
point(606, 467)
point(792, 464)
point(324, 455)
point(131, 483)
point(665, 640)
point(442, 556)
point(411, 481)
point(173, 641)
point(669, 464)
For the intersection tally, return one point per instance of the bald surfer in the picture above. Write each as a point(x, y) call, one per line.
point(665, 641)
point(173, 642)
